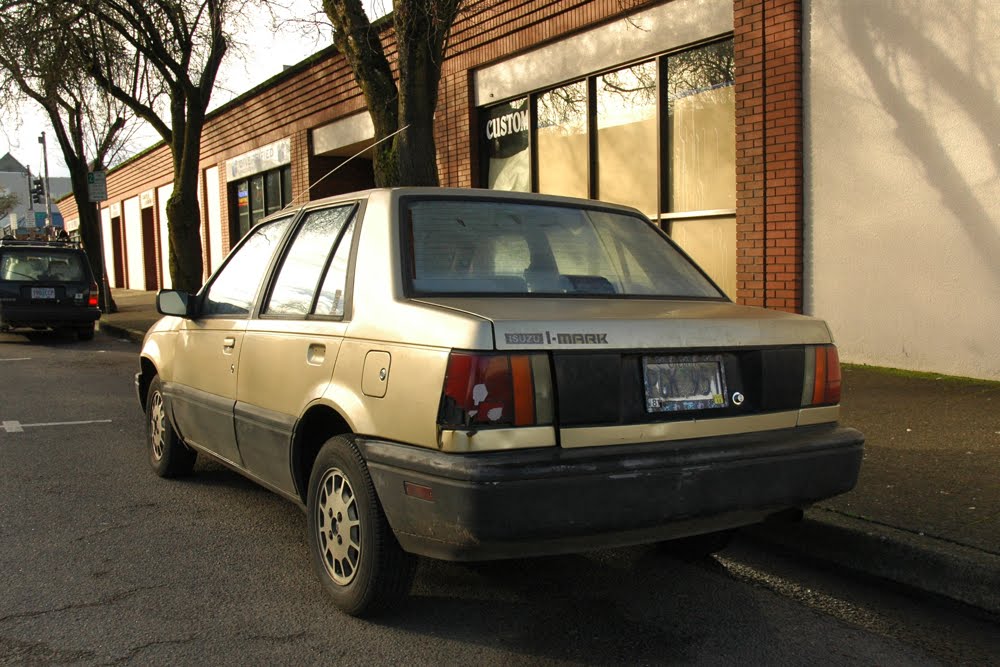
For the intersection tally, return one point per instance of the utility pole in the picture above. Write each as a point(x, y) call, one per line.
point(48, 199)
point(31, 199)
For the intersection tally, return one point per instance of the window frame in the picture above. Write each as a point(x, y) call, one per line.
point(354, 216)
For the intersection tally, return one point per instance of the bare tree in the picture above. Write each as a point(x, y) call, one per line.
point(8, 201)
point(39, 63)
point(420, 30)
point(174, 49)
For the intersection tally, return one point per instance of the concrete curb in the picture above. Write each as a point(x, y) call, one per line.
point(918, 561)
point(121, 332)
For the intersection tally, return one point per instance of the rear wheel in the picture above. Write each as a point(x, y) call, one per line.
point(354, 551)
point(85, 332)
point(168, 455)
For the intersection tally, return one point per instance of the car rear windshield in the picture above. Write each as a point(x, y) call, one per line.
point(39, 265)
point(514, 248)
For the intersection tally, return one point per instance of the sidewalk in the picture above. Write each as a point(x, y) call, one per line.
point(926, 510)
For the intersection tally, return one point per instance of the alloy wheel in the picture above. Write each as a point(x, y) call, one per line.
point(339, 527)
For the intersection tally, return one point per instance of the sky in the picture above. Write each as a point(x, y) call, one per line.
point(239, 73)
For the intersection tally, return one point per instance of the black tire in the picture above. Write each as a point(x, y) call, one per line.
point(353, 548)
point(697, 547)
point(168, 455)
point(85, 333)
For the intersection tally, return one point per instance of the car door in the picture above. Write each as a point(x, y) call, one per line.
point(202, 388)
point(289, 351)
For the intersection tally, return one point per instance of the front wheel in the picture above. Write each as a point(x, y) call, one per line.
point(168, 455)
point(353, 549)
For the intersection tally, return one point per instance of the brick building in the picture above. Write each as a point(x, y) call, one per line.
point(732, 123)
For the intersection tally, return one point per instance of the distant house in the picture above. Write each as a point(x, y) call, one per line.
point(28, 216)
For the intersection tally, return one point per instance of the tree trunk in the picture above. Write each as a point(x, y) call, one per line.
point(90, 235)
point(184, 232)
point(183, 211)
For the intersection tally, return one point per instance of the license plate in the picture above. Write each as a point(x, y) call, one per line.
point(43, 292)
point(683, 383)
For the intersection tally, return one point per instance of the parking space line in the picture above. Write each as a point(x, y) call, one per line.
point(17, 359)
point(18, 427)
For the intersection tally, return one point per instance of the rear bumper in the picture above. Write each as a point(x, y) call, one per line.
point(548, 501)
point(18, 317)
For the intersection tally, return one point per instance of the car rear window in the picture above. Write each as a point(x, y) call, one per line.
point(511, 248)
point(41, 266)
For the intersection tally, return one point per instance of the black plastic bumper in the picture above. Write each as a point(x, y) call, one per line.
point(548, 501)
point(22, 317)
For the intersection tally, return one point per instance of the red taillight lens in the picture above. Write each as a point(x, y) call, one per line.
point(92, 299)
point(821, 385)
point(488, 389)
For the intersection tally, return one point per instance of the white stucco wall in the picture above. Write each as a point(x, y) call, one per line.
point(214, 210)
point(133, 241)
point(162, 194)
point(902, 142)
point(108, 240)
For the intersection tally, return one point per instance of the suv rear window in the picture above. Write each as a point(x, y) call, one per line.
point(39, 265)
point(493, 247)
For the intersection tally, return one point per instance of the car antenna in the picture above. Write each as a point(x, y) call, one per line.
point(330, 173)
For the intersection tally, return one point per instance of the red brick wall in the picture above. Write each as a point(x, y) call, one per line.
point(769, 179)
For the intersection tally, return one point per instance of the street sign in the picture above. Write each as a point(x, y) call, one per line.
point(97, 186)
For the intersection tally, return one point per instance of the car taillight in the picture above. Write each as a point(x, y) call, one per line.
point(821, 382)
point(92, 299)
point(496, 389)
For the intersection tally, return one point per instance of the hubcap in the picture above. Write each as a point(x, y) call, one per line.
point(338, 527)
point(156, 426)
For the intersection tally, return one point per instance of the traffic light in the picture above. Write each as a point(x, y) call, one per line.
point(37, 191)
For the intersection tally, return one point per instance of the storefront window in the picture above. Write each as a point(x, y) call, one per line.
point(258, 196)
point(561, 131)
point(506, 158)
point(626, 137)
point(658, 135)
point(701, 109)
point(272, 190)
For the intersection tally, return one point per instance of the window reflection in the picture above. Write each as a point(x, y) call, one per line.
point(702, 128)
point(331, 295)
point(626, 137)
point(506, 128)
point(234, 288)
point(562, 141)
point(299, 275)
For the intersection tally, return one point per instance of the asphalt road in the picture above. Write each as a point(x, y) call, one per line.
point(102, 563)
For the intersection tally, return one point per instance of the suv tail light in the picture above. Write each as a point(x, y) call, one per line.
point(92, 298)
point(821, 382)
point(496, 389)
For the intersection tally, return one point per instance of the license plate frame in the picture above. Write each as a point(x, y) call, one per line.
point(43, 293)
point(684, 383)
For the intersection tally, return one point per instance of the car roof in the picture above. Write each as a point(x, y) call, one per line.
point(464, 193)
point(39, 244)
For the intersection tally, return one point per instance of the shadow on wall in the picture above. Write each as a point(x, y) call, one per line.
point(889, 45)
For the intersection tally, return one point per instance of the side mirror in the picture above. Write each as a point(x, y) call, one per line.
point(173, 302)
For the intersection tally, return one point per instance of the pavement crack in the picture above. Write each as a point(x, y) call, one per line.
point(109, 600)
point(136, 650)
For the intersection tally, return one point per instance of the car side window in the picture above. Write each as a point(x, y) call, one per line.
point(331, 295)
point(299, 276)
point(234, 288)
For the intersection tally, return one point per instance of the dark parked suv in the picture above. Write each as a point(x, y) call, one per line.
point(47, 285)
